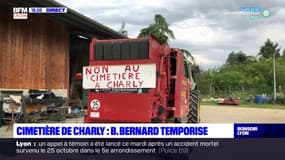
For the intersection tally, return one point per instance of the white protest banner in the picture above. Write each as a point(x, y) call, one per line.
point(119, 76)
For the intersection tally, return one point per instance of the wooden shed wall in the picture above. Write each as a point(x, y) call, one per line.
point(34, 53)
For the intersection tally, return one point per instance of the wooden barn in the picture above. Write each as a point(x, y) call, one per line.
point(45, 50)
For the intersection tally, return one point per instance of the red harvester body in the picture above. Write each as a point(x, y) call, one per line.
point(138, 80)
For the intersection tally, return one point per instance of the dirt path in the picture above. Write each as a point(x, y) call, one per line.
point(231, 114)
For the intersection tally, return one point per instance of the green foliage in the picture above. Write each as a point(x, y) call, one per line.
point(236, 58)
point(159, 29)
point(280, 72)
point(268, 49)
point(205, 80)
point(245, 74)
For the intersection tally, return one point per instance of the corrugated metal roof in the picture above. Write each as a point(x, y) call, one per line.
point(77, 23)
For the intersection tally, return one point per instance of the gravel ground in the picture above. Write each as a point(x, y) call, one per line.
point(234, 114)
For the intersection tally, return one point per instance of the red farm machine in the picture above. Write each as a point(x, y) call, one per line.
point(139, 80)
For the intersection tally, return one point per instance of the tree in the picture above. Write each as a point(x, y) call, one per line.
point(251, 59)
point(159, 29)
point(243, 75)
point(205, 80)
point(280, 72)
point(268, 49)
point(236, 58)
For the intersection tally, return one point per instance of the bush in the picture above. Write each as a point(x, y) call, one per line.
point(280, 99)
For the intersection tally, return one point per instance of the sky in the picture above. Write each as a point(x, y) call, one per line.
point(209, 29)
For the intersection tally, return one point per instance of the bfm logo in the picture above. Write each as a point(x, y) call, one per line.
point(20, 12)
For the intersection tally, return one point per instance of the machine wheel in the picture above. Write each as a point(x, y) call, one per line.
point(194, 107)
